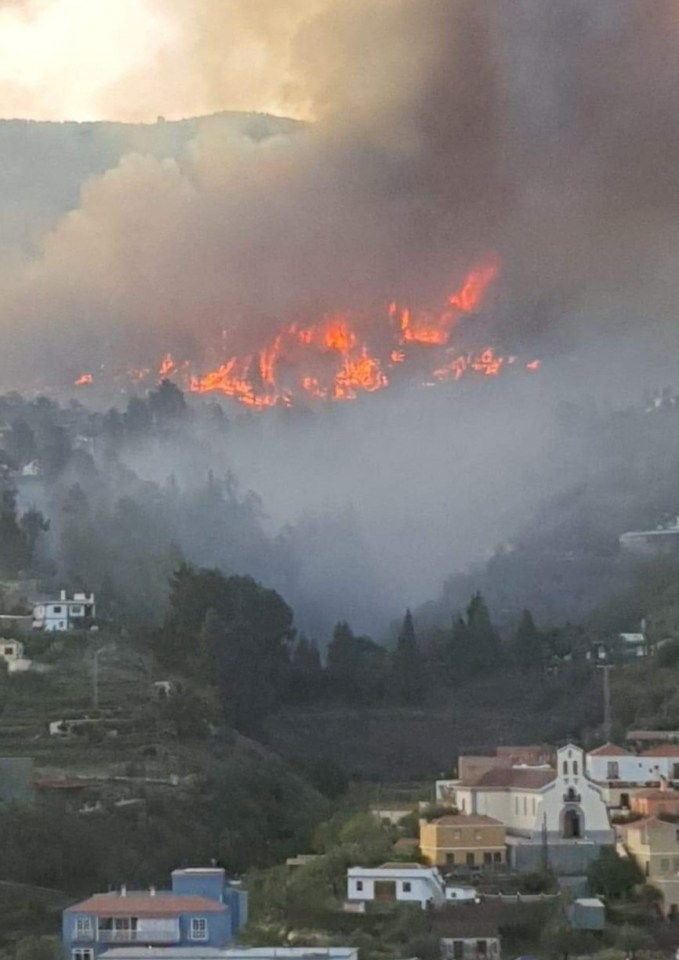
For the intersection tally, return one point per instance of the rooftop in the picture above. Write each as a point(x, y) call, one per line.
point(466, 820)
point(610, 750)
point(526, 778)
point(231, 953)
point(664, 750)
point(143, 903)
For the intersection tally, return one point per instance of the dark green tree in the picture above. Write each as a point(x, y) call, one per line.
point(527, 644)
point(407, 680)
point(612, 875)
point(32, 525)
point(14, 554)
point(20, 443)
point(306, 672)
point(238, 625)
point(167, 403)
point(357, 667)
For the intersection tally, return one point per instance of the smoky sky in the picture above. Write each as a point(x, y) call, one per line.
point(446, 131)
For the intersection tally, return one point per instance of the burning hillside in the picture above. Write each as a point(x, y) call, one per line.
point(344, 355)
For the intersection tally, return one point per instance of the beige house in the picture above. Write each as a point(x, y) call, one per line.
point(654, 844)
point(473, 841)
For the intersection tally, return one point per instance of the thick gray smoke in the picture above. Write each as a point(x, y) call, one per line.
point(446, 129)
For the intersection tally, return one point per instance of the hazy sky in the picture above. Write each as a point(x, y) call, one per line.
point(134, 60)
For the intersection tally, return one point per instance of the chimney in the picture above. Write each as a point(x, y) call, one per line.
point(123, 890)
point(62, 595)
point(152, 891)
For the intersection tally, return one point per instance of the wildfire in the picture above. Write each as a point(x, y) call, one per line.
point(343, 356)
point(84, 380)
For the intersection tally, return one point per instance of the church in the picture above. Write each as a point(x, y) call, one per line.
point(555, 816)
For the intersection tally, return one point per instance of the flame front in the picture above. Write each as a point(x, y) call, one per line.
point(342, 355)
point(84, 380)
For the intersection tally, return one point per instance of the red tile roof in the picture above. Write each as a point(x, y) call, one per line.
point(610, 750)
point(522, 777)
point(145, 904)
point(664, 750)
point(657, 794)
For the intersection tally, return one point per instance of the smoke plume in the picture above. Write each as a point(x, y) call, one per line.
point(438, 132)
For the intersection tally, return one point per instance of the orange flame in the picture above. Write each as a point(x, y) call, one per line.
point(84, 380)
point(336, 360)
point(167, 366)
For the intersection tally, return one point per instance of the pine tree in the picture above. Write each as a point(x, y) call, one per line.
point(483, 647)
point(527, 644)
point(407, 679)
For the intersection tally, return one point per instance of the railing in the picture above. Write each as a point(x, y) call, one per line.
point(169, 935)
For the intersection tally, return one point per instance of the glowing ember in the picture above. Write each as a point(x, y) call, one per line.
point(167, 366)
point(533, 365)
point(84, 380)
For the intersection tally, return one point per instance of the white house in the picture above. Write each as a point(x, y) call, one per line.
point(396, 882)
point(610, 763)
point(12, 652)
point(64, 614)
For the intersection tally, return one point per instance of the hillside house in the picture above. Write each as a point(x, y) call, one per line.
point(65, 614)
point(396, 883)
point(12, 653)
point(558, 810)
point(611, 764)
point(652, 802)
point(654, 844)
point(201, 909)
point(471, 936)
point(464, 841)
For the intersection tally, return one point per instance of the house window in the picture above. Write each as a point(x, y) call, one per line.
point(665, 865)
point(497, 857)
point(83, 928)
point(565, 768)
point(575, 767)
point(198, 928)
point(481, 948)
point(82, 953)
point(458, 949)
point(359, 884)
point(487, 858)
point(450, 859)
point(525, 806)
point(516, 804)
point(56, 610)
point(457, 834)
point(76, 611)
point(407, 886)
point(676, 835)
point(470, 860)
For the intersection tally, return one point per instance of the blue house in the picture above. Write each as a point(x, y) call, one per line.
point(201, 909)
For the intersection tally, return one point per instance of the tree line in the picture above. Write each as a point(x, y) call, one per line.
point(238, 636)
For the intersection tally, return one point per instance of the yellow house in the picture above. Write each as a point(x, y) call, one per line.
point(654, 844)
point(473, 841)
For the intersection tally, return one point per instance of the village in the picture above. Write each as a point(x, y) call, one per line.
point(538, 831)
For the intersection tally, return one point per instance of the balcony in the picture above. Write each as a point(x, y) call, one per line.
point(147, 932)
